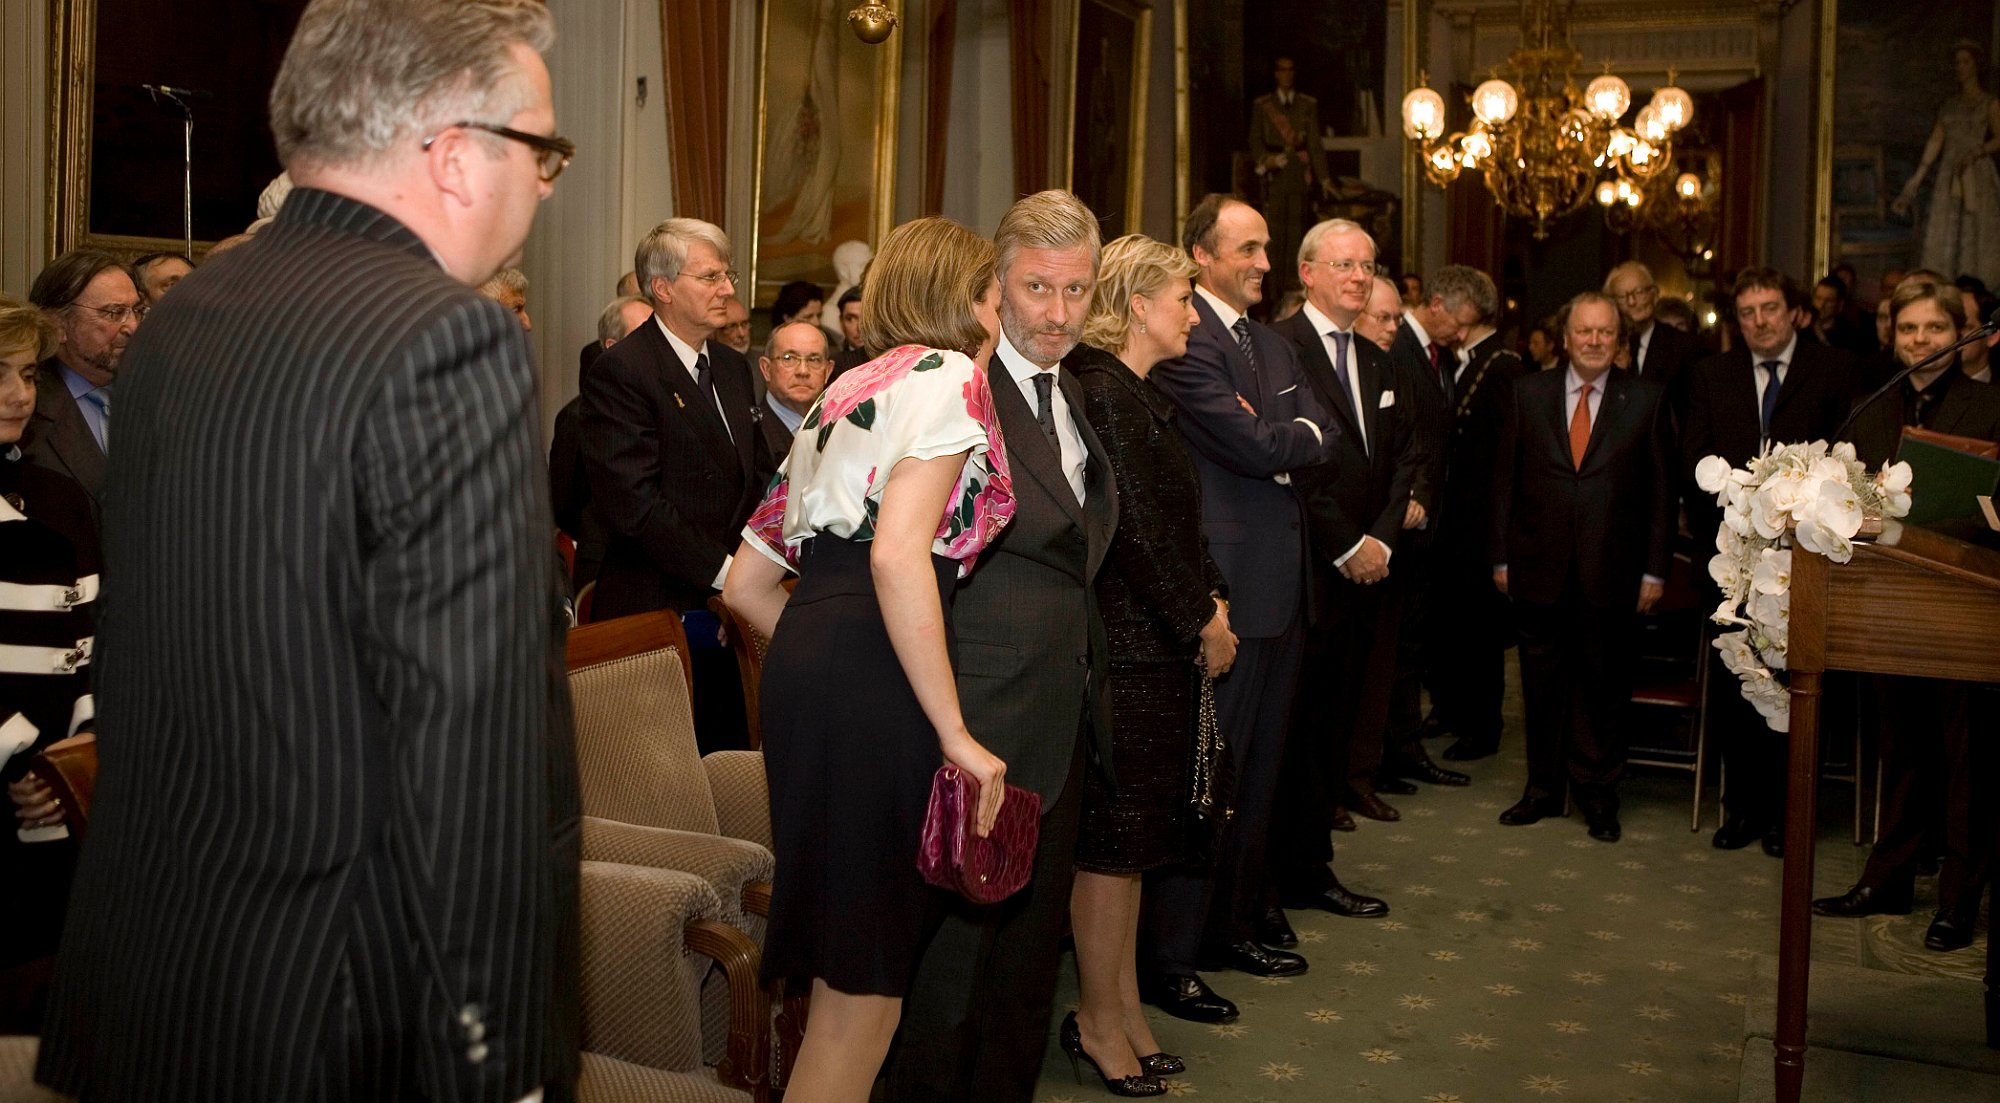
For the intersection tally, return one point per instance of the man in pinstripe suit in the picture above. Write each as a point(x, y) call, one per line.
point(333, 853)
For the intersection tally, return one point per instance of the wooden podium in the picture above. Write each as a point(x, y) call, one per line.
point(1915, 602)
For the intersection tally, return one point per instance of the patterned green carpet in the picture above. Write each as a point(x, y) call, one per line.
point(1521, 963)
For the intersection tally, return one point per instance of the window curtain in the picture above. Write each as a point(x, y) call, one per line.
point(1030, 41)
point(943, 37)
point(694, 47)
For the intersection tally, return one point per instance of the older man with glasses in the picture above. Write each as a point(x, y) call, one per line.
point(795, 366)
point(97, 306)
point(1657, 352)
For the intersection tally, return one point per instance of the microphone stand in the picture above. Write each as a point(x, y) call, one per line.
point(1991, 327)
point(187, 168)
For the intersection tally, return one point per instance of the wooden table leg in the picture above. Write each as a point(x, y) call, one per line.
point(1795, 909)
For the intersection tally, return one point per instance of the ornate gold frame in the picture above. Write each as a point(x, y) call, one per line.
point(1823, 151)
point(1141, 16)
point(888, 84)
point(72, 70)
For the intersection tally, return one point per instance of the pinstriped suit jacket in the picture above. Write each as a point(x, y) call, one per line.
point(333, 854)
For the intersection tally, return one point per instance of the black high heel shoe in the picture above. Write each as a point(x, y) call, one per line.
point(1166, 1064)
point(1133, 1087)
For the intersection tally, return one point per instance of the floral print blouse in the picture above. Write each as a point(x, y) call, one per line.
point(909, 402)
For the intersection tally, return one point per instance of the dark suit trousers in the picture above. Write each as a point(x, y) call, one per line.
point(1468, 649)
point(1754, 758)
point(1337, 717)
point(1934, 775)
point(1184, 906)
point(976, 1019)
point(1576, 670)
point(1413, 570)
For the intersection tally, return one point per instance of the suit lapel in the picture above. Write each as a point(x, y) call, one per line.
point(732, 387)
point(1320, 366)
point(1240, 372)
point(1375, 379)
point(68, 435)
point(696, 409)
point(1617, 395)
point(1100, 490)
point(1027, 449)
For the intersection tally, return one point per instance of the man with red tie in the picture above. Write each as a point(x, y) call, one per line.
point(1583, 516)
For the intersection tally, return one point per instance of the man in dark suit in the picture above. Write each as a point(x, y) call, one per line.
point(1583, 519)
point(96, 308)
point(1469, 644)
point(1656, 351)
point(1773, 388)
point(1285, 144)
point(795, 366)
point(569, 485)
point(1354, 508)
point(851, 355)
point(1249, 419)
point(1425, 352)
point(1033, 668)
point(628, 288)
point(333, 850)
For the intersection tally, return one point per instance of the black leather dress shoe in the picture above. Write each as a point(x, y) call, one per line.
point(1392, 785)
point(1604, 827)
point(1774, 840)
point(1258, 961)
point(1865, 900)
point(1424, 770)
point(1528, 810)
point(1273, 929)
point(1339, 901)
point(1343, 820)
point(1187, 998)
point(1737, 833)
point(1951, 928)
point(1372, 806)
point(1468, 749)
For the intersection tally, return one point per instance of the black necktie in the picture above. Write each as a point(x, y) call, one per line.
point(1633, 342)
point(704, 381)
point(1242, 331)
point(1340, 363)
point(1770, 404)
point(1045, 411)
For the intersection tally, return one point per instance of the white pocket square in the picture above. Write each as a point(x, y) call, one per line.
point(1388, 400)
point(1290, 389)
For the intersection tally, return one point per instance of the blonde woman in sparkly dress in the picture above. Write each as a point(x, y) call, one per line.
point(1962, 227)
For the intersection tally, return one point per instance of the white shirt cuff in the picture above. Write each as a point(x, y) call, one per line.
point(1387, 553)
point(1307, 422)
point(723, 574)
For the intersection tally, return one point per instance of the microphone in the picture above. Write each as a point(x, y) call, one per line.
point(1991, 327)
point(182, 93)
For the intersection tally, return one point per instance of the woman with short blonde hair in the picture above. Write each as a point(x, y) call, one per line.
point(1168, 625)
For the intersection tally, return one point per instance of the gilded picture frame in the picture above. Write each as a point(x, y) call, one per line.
point(803, 206)
point(1105, 150)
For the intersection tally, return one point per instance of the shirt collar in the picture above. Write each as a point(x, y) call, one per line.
point(1423, 335)
point(77, 384)
point(1224, 313)
point(1784, 358)
point(12, 454)
point(791, 421)
point(1019, 368)
point(1321, 323)
point(682, 349)
point(1574, 382)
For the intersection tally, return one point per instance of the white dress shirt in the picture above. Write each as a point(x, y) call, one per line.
point(1325, 327)
point(1645, 346)
point(687, 354)
point(1762, 377)
point(1572, 388)
point(1023, 372)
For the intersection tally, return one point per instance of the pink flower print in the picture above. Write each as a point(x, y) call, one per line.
point(768, 522)
point(859, 385)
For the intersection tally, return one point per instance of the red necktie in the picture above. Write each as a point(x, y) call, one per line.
point(1579, 428)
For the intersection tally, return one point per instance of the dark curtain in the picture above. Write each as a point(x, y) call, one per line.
point(937, 103)
point(695, 50)
point(1030, 40)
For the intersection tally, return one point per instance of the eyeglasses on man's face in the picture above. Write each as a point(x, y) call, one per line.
point(1348, 267)
point(715, 277)
point(1638, 294)
point(116, 313)
point(793, 359)
point(552, 153)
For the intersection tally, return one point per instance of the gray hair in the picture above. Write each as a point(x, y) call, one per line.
point(363, 76)
point(1309, 244)
point(506, 279)
point(663, 252)
point(611, 321)
point(771, 342)
point(1621, 269)
point(1459, 285)
point(1052, 219)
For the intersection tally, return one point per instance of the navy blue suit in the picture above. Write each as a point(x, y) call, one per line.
point(1256, 533)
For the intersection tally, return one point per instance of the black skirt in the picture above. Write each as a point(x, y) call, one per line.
point(1140, 825)
point(850, 755)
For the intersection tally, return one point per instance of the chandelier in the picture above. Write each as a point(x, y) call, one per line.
point(1680, 213)
point(1543, 146)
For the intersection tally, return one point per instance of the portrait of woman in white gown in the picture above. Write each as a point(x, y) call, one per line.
point(1961, 226)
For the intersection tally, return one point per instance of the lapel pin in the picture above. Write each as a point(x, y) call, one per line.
point(679, 402)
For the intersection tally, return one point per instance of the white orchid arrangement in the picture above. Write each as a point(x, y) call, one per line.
point(1819, 495)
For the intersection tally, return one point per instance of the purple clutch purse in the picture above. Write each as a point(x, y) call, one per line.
point(951, 856)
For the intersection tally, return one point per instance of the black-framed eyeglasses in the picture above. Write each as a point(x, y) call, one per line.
point(552, 153)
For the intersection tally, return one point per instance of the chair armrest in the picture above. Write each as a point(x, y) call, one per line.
point(757, 898)
point(641, 988)
point(746, 1064)
point(728, 865)
point(742, 795)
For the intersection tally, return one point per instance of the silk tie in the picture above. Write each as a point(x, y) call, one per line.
point(1340, 341)
point(1045, 412)
point(1770, 404)
point(1579, 428)
point(1437, 367)
point(1633, 344)
point(704, 381)
point(101, 398)
point(1242, 331)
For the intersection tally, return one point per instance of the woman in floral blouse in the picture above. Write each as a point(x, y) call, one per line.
point(896, 480)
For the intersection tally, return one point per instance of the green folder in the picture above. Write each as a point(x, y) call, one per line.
point(1945, 483)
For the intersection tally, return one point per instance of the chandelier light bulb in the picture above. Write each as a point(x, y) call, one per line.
point(1607, 193)
point(1495, 102)
point(1649, 125)
point(1675, 107)
point(1477, 146)
point(1688, 186)
point(1444, 160)
point(1643, 154)
point(1636, 198)
point(1423, 115)
point(1621, 143)
point(1608, 97)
